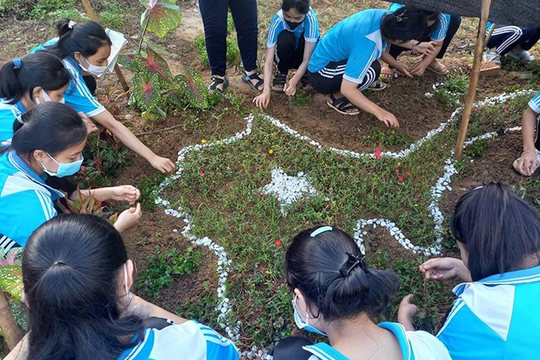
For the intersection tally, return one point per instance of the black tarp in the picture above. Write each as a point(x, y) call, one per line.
point(508, 12)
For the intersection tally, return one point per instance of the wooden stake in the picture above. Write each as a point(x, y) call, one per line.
point(475, 73)
point(12, 333)
point(117, 70)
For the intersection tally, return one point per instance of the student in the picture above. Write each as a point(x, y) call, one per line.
point(337, 295)
point(496, 313)
point(244, 14)
point(77, 276)
point(292, 36)
point(529, 161)
point(513, 41)
point(84, 49)
point(26, 82)
point(344, 62)
point(47, 141)
point(441, 30)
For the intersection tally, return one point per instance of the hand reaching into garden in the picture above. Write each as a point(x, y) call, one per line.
point(387, 118)
point(290, 88)
point(406, 312)
point(90, 126)
point(125, 193)
point(162, 164)
point(128, 218)
point(426, 47)
point(444, 269)
point(419, 69)
point(262, 100)
point(403, 69)
point(527, 163)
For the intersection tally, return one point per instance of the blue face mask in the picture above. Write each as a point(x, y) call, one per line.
point(64, 169)
point(304, 325)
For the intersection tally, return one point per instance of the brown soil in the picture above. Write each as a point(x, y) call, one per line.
point(379, 241)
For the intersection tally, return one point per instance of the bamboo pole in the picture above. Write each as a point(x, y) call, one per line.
point(475, 73)
point(117, 70)
point(12, 333)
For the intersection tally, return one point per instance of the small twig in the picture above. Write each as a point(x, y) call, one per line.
point(144, 32)
point(160, 130)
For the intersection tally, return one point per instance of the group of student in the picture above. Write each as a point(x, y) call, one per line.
point(76, 273)
point(77, 279)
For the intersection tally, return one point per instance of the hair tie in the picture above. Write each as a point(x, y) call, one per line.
point(320, 230)
point(59, 262)
point(71, 24)
point(401, 16)
point(351, 262)
point(17, 62)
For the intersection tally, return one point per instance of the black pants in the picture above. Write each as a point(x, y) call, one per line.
point(455, 22)
point(244, 14)
point(328, 80)
point(505, 38)
point(287, 55)
point(291, 349)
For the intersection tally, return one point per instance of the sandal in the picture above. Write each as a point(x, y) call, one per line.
point(387, 73)
point(377, 86)
point(216, 81)
point(438, 69)
point(343, 106)
point(258, 86)
point(278, 84)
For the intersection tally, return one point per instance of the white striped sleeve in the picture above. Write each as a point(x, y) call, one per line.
point(312, 27)
point(442, 28)
point(78, 95)
point(534, 104)
point(273, 31)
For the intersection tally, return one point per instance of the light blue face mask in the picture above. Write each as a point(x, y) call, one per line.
point(304, 325)
point(64, 169)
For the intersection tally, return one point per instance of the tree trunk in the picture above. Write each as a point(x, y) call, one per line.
point(11, 330)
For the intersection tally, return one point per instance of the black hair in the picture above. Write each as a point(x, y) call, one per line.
point(301, 5)
point(33, 70)
point(406, 23)
point(315, 266)
point(52, 127)
point(498, 229)
point(431, 15)
point(71, 265)
point(85, 38)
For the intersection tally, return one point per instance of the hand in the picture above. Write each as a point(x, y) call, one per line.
point(388, 119)
point(426, 47)
point(162, 164)
point(128, 218)
point(290, 89)
point(406, 312)
point(403, 69)
point(125, 193)
point(419, 69)
point(527, 163)
point(90, 126)
point(262, 100)
point(444, 269)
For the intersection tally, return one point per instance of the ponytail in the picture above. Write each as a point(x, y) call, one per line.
point(331, 273)
point(85, 38)
point(19, 77)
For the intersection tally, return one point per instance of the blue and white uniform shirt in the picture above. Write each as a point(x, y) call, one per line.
point(534, 104)
point(357, 39)
point(309, 28)
point(415, 345)
point(438, 33)
point(26, 201)
point(187, 341)
point(496, 318)
point(77, 95)
point(8, 114)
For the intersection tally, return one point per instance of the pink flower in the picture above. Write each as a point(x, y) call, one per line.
point(201, 173)
point(507, 112)
point(397, 170)
point(378, 153)
point(408, 172)
point(400, 178)
point(83, 168)
point(278, 242)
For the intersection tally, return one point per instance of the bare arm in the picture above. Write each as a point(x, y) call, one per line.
point(421, 66)
point(390, 60)
point(19, 352)
point(308, 50)
point(107, 120)
point(263, 99)
point(144, 309)
point(528, 161)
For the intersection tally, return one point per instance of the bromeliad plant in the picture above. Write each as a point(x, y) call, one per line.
point(155, 89)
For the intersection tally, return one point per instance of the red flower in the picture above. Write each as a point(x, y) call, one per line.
point(201, 173)
point(397, 170)
point(408, 172)
point(474, 109)
point(83, 168)
point(378, 153)
point(400, 178)
point(278, 242)
point(507, 112)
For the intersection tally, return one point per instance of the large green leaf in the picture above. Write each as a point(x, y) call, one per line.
point(162, 16)
point(11, 280)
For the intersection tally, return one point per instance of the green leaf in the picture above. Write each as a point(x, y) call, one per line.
point(11, 280)
point(163, 18)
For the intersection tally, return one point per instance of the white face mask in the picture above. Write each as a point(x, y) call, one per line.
point(47, 98)
point(126, 287)
point(93, 69)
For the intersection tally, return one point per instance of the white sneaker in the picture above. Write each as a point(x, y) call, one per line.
point(521, 55)
point(493, 56)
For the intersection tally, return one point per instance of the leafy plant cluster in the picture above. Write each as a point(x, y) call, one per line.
point(389, 138)
point(163, 265)
point(452, 89)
